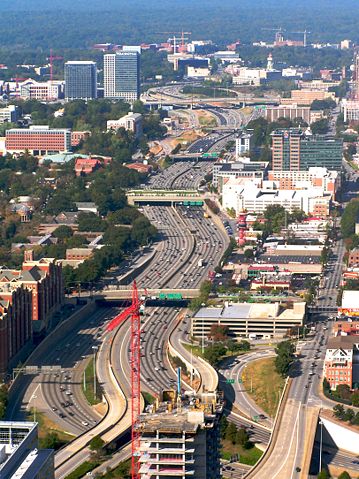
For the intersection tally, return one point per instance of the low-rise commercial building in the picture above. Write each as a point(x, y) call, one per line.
point(341, 363)
point(42, 91)
point(131, 122)
point(20, 456)
point(181, 438)
point(9, 114)
point(306, 97)
point(244, 319)
point(38, 140)
point(240, 169)
point(346, 328)
point(350, 304)
point(253, 199)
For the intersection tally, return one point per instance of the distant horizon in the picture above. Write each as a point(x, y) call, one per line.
point(72, 23)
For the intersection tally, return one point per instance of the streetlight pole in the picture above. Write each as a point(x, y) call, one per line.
point(321, 445)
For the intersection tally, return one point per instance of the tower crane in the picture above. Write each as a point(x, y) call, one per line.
point(279, 33)
point(133, 312)
point(51, 59)
point(182, 38)
point(304, 33)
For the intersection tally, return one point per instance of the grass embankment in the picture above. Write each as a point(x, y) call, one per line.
point(149, 399)
point(263, 384)
point(83, 469)
point(89, 390)
point(47, 428)
point(246, 456)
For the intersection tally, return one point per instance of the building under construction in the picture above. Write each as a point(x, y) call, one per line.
point(179, 437)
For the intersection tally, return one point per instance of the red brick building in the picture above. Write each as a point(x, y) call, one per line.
point(341, 364)
point(44, 279)
point(78, 136)
point(38, 140)
point(15, 323)
point(85, 166)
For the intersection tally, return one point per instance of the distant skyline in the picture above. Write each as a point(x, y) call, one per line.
point(71, 23)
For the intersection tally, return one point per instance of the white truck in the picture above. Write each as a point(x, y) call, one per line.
point(200, 263)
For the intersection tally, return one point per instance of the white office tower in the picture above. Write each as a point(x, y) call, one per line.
point(122, 75)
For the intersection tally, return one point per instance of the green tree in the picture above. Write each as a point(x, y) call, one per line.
point(51, 441)
point(339, 411)
point(90, 222)
point(355, 398)
point(344, 475)
point(242, 438)
point(96, 444)
point(349, 415)
point(285, 356)
point(63, 232)
point(231, 433)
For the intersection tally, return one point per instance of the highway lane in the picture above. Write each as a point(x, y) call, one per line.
point(234, 370)
point(71, 355)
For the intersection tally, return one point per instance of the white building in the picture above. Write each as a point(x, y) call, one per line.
point(9, 114)
point(254, 199)
point(130, 122)
point(350, 109)
point(249, 76)
point(194, 72)
point(227, 56)
point(20, 457)
point(43, 91)
point(324, 180)
point(243, 143)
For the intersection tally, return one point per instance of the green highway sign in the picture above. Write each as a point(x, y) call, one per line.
point(230, 381)
point(240, 381)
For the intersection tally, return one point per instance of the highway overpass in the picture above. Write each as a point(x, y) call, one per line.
point(137, 197)
point(125, 292)
point(210, 101)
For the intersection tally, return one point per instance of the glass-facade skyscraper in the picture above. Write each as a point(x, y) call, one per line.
point(80, 80)
point(122, 75)
point(293, 150)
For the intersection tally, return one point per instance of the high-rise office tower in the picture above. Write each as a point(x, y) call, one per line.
point(80, 80)
point(293, 150)
point(122, 75)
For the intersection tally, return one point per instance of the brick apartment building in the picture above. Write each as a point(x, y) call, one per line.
point(38, 140)
point(44, 279)
point(15, 323)
point(341, 364)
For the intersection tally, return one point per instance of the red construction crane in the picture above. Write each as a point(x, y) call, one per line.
point(133, 311)
point(51, 59)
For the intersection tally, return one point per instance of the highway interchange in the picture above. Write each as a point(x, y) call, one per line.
point(185, 238)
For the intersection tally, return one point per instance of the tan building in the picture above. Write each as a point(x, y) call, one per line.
point(306, 97)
